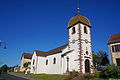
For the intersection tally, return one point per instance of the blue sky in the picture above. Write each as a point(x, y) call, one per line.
point(28, 25)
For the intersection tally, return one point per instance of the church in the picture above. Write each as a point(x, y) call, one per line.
point(76, 55)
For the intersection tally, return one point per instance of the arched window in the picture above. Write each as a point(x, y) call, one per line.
point(73, 30)
point(85, 29)
point(87, 66)
point(46, 62)
point(33, 61)
point(54, 61)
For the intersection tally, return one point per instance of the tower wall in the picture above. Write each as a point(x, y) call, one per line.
point(80, 42)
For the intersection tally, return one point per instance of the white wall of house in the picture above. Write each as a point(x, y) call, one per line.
point(41, 65)
point(54, 68)
point(34, 66)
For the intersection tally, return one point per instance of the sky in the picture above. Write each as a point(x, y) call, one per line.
point(28, 25)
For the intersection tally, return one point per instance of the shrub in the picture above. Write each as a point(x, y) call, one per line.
point(72, 75)
point(89, 77)
point(110, 71)
point(28, 72)
point(24, 71)
point(97, 74)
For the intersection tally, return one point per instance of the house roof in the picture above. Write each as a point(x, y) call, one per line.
point(51, 52)
point(78, 18)
point(27, 55)
point(114, 38)
point(40, 53)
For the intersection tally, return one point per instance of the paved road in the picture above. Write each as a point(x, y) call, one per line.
point(6, 76)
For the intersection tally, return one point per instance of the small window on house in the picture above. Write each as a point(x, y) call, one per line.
point(116, 48)
point(46, 62)
point(29, 63)
point(118, 61)
point(113, 49)
point(73, 30)
point(33, 61)
point(119, 47)
point(54, 61)
point(85, 29)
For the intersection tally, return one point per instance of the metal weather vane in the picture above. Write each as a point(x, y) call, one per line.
point(78, 5)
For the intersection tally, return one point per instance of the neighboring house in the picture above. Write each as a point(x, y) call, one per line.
point(114, 48)
point(26, 57)
point(76, 55)
point(16, 68)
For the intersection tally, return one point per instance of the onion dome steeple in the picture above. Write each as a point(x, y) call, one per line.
point(78, 18)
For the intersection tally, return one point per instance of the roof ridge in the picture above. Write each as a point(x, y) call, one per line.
point(58, 47)
point(27, 53)
point(114, 38)
point(55, 50)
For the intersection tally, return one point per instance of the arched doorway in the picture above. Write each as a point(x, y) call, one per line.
point(87, 66)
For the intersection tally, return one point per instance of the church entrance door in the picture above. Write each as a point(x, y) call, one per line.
point(87, 66)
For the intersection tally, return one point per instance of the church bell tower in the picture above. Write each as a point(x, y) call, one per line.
point(80, 41)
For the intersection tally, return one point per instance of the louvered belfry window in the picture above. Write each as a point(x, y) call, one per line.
point(85, 29)
point(73, 30)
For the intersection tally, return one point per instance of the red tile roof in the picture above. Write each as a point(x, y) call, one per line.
point(114, 38)
point(51, 52)
point(40, 53)
point(27, 55)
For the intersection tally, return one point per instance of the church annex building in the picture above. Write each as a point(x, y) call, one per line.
point(76, 55)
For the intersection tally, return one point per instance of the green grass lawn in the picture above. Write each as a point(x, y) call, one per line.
point(48, 77)
point(19, 72)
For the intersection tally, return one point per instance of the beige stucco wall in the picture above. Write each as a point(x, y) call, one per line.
point(114, 55)
point(24, 60)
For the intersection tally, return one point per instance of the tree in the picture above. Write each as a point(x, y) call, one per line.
point(4, 68)
point(105, 60)
point(26, 66)
point(100, 59)
point(11, 69)
point(95, 60)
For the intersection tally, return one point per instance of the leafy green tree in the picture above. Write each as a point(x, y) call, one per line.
point(26, 65)
point(11, 69)
point(95, 60)
point(105, 60)
point(100, 59)
point(4, 68)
